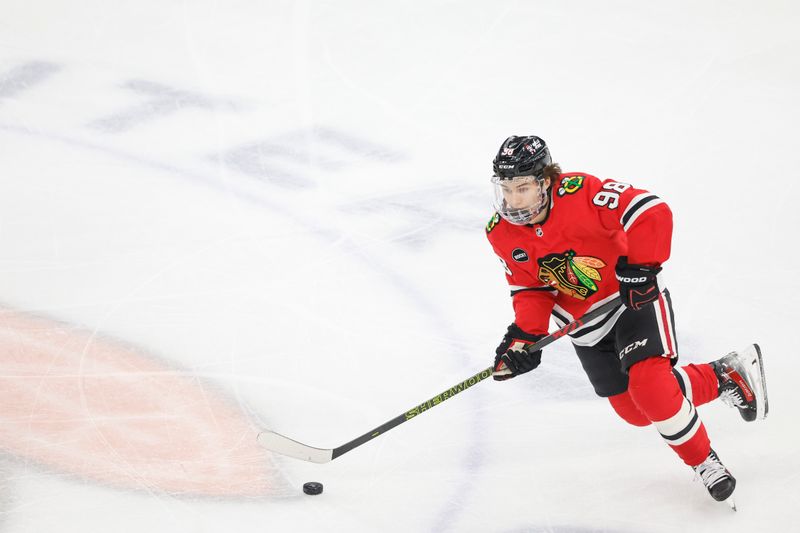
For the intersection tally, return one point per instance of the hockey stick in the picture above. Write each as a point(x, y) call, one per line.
point(276, 442)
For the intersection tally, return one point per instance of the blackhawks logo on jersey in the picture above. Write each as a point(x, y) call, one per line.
point(571, 274)
point(570, 185)
point(493, 222)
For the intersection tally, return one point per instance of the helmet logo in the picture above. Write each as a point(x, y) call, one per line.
point(533, 146)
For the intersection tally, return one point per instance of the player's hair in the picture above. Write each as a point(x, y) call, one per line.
point(552, 171)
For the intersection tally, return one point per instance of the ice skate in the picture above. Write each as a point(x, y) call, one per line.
point(717, 479)
point(742, 383)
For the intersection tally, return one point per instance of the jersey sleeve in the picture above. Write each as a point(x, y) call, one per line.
point(532, 300)
point(644, 217)
point(532, 309)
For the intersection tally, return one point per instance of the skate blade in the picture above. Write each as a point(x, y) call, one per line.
point(763, 380)
point(731, 503)
point(755, 371)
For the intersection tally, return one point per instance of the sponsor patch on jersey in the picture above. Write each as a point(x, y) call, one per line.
point(571, 274)
point(570, 185)
point(519, 255)
point(493, 222)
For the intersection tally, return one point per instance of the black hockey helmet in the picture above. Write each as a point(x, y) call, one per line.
point(521, 156)
point(521, 161)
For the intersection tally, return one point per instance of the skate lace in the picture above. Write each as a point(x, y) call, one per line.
point(711, 471)
point(732, 398)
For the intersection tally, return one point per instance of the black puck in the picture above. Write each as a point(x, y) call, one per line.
point(312, 487)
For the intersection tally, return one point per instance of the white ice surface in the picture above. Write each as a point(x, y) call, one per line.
point(286, 201)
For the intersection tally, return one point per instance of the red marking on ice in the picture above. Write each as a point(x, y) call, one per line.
point(105, 411)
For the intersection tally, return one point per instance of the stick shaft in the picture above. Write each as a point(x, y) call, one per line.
point(286, 446)
point(413, 412)
point(470, 381)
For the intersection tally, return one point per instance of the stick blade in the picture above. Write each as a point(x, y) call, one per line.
point(275, 442)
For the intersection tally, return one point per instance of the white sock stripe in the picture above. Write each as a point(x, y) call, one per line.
point(678, 422)
point(691, 430)
point(687, 384)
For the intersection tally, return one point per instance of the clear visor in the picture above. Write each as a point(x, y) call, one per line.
point(520, 199)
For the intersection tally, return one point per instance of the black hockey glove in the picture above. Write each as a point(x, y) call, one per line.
point(513, 356)
point(637, 283)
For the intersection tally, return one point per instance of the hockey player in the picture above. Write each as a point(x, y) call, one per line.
point(569, 243)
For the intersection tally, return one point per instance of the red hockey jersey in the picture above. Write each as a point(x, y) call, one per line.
point(565, 265)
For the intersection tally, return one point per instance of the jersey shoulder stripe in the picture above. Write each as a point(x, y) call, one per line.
point(637, 206)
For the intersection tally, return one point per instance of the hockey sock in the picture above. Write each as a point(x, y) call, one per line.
point(627, 410)
point(698, 383)
point(656, 392)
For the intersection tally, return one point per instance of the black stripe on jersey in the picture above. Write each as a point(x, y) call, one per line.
point(633, 209)
point(594, 327)
point(685, 430)
point(560, 317)
point(532, 289)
